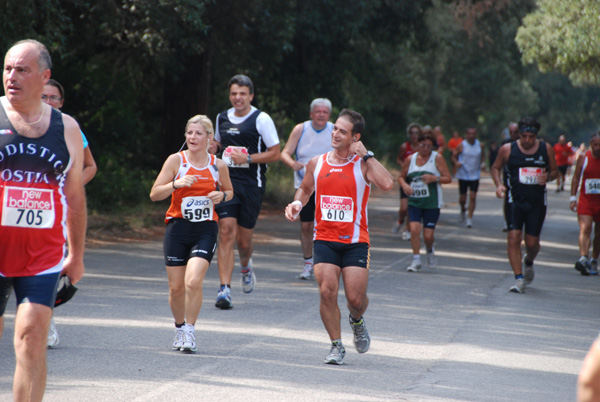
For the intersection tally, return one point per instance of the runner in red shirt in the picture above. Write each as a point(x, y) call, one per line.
point(341, 180)
point(562, 152)
point(588, 209)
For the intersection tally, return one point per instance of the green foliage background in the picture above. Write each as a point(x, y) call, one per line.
point(135, 70)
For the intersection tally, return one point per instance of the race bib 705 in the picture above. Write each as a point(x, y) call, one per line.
point(28, 208)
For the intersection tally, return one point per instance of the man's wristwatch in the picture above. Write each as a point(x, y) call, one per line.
point(249, 159)
point(368, 155)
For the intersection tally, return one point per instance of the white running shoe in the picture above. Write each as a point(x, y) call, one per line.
point(362, 340)
point(468, 223)
point(431, 260)
point(519, 286)
point(406, 235)
point(308, 273)
point(178, 340)
point(248, 280)
point(189, 339)
point(396, 227)
point(336, 355)
point(528, 272)
point(53, 338)
point(593, 267)
point(224, 299)
point(415, 266)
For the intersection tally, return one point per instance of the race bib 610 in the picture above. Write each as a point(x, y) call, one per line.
point(337, 209)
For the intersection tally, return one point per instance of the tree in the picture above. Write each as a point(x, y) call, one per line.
point(564, 35)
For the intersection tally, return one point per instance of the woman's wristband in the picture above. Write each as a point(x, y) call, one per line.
point(297, 202)
point(573, 198)
point(224, 196)
point(174, 188)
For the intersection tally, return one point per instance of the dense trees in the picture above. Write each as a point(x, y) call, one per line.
point(136, 70)
point(564, 35)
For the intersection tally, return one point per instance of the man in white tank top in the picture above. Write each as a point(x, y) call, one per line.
point(467, 158)
point(308, 139)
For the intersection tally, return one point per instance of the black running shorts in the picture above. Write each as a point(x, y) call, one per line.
point(341, 254)
point(185, 239)
point(244, 206)
point(531, 216)
point(307, 214)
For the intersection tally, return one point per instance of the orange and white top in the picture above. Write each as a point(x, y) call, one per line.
point(341, 197)
point(192, 203)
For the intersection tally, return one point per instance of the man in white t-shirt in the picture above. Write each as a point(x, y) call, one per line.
point(248, 139)
point(308, 139)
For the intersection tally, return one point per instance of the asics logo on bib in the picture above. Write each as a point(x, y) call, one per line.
point(198, 203)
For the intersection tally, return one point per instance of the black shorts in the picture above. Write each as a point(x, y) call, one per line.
point(39, 289)
point(521, 213)
point(402, 193)
point(185, 239)
point(463, 185)
point(5, 291)
point(244, 206)
point(341, 254)
point(307, 214)
point(563, 169)
point(427, 216)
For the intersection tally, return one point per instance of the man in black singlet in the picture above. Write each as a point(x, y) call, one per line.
point(248, 139)
point(530, 164)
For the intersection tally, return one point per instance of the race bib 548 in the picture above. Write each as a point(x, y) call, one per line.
point(592, 186)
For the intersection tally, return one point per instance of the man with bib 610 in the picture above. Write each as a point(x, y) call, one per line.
point(341, 180)
point(530, 164)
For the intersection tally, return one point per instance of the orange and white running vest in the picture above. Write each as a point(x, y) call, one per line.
point(341, 197)
point(192, 203)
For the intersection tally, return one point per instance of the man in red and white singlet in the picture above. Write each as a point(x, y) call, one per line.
point(588, 209)
point(41, 194)
point(341, 180)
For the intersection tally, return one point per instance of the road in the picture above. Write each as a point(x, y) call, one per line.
point(450, 334)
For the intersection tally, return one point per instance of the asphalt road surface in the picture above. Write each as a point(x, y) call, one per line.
point(451, 334)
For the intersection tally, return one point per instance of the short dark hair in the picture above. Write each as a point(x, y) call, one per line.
point(57, 85)
point(358, 122)
point(594, 135)
point(427, 136)
point(529, 124)
point(241, 80)
point(44, 59)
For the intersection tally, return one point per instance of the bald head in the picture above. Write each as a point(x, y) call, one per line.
point(26, 70)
